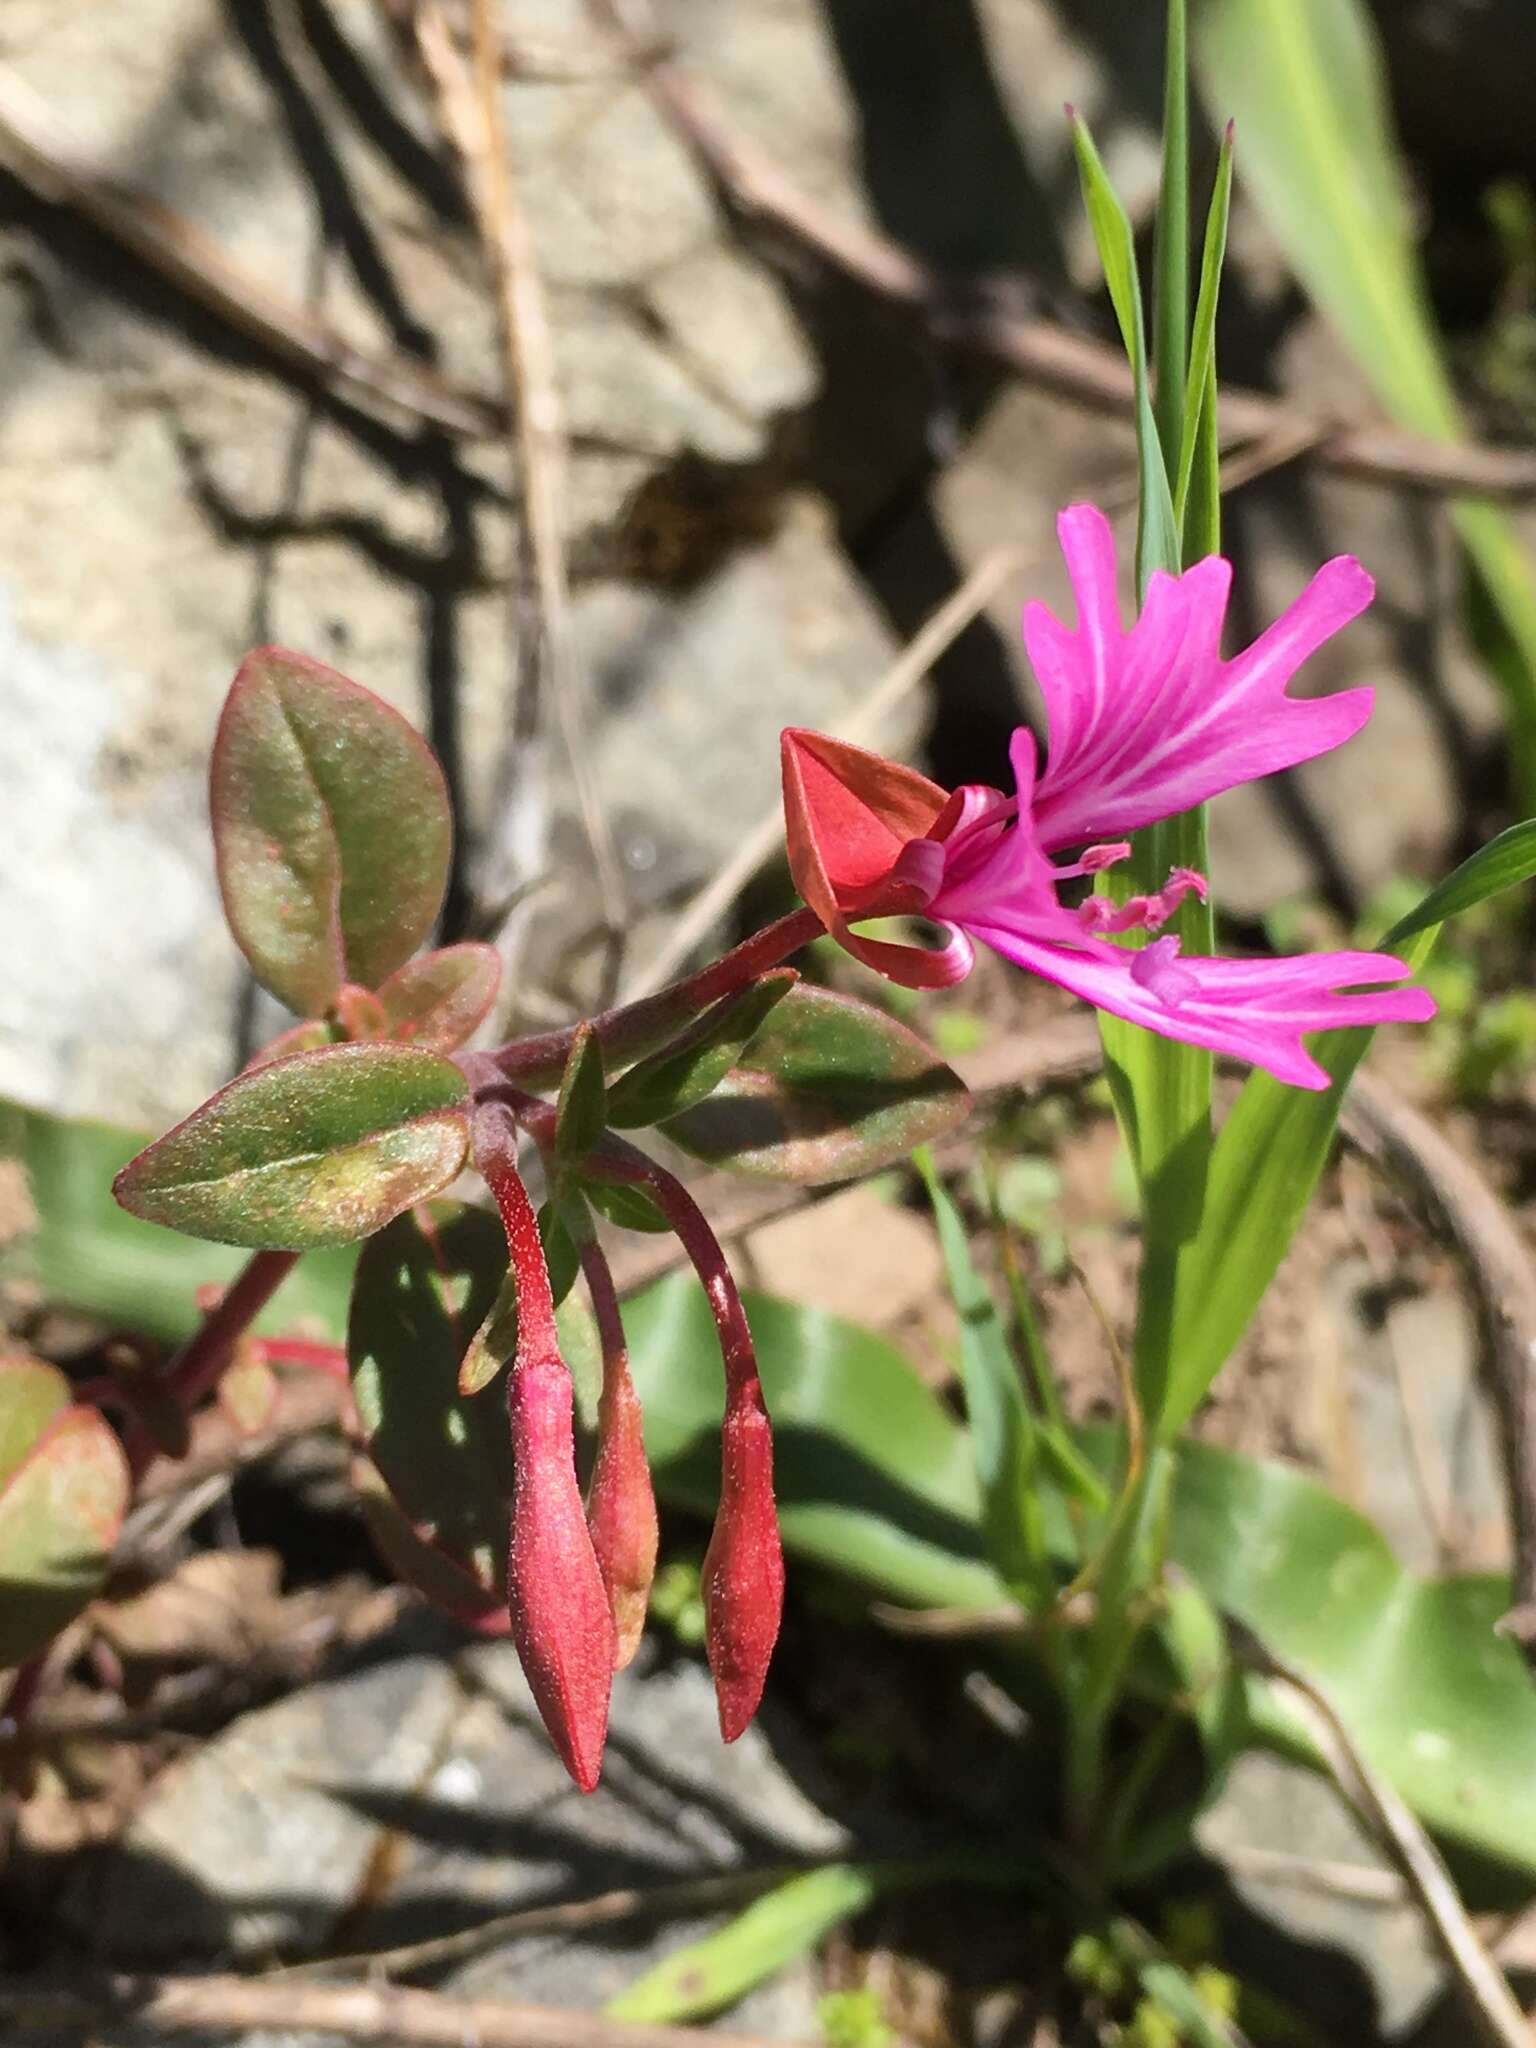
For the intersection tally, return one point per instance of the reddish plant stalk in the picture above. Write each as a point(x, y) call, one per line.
point(194, 1370)
point(635, 1029)
point(621, 1502)
point(559, 1604)
point(743, 1575)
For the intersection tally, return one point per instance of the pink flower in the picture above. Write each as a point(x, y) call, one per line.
point(1142, 724)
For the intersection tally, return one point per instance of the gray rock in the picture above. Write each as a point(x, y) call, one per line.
point(415, 1794)
point(1296, 1823)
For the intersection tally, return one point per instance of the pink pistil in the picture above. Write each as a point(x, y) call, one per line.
point(1142, 913)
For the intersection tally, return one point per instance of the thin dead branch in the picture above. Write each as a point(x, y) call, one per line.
point(387, 2014)
point(985, 318)
point(1398, 1834)
point(37, 153)
point(1502, 1277)
point(470, 98)
point(566, 1916)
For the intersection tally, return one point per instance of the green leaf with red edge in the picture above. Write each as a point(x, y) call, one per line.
point(318, 1149)
point(829, 1088)
point(631, 1208)
point(419, 1296)
point(672, 1081)
point(438, 1000)
point(63, 1493)
point(331, 829)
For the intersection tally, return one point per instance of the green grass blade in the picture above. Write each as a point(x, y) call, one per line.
point(706, 1976)
point(1502, 864)
point(1306, 83)
point(1162, 1090)
point(1002, 1426)
point(1198, 444)
point(1157, 544)
point(1170, 249)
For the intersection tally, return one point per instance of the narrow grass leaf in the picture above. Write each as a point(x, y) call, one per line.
point(1003, 1431)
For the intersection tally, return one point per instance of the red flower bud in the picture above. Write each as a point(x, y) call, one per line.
point(743, 1578)
point(560, 1614)
point(621, 1506)
point(560, 1617)
point(621, 1509)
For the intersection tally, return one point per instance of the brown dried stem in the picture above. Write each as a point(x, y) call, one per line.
point(37, 153)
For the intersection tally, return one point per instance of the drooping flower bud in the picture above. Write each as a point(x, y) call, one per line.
point(561, 1621)
point(743, 1576)
point(621, 1504)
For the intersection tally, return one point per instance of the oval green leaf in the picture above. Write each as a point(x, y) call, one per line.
point(331, 829)
point(438, 1000)
point(63, 1494)
point(446, 1459)
point(829, 1088)
point(318, 1149)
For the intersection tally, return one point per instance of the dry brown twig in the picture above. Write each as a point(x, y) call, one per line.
point(1398, 1834)
point(982, 319)
point(469, 98)
point(394, 2016)
point(37, 153)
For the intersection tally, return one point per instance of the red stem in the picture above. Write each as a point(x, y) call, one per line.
point(195, 1368)
point(493, 1140)
point(635, 1029)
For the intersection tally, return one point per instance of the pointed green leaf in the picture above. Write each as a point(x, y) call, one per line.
point(438, 1000)
point(1502, 864)
point(674, 1080)
point(828, 1088)
point(316, 1149)
point(1197, 430)
point(706, 1976)
point(1170, 254)
point(63, 1494)
point(1274, 1145)
point(446, 1459)
point(331, 829)
point(630, 1208)
point(1157, 539)
point(582, 1115)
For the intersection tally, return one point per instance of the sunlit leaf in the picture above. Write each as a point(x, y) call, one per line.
point(828, 1088)
point(63, 1493)
point(317, 1149)
point(331, 829)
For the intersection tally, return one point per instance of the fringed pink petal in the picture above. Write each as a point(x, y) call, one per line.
point(1254, 1010)
point(1146, 723)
